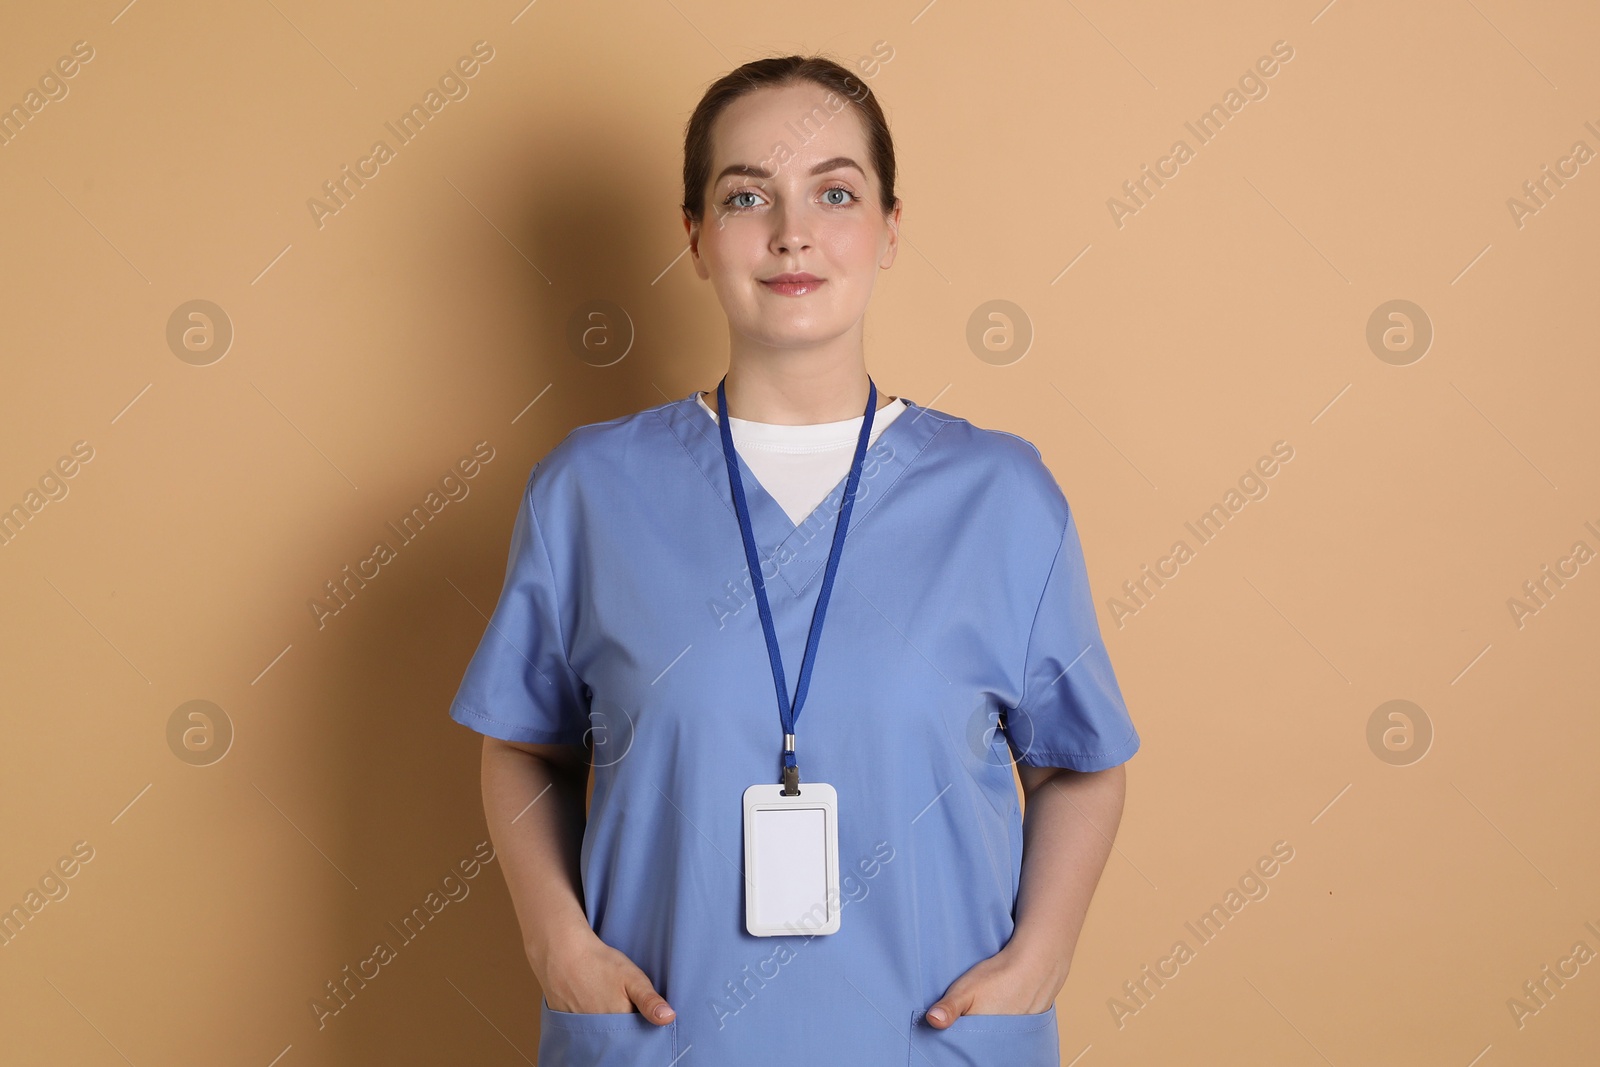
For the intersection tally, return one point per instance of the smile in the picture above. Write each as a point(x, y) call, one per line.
point(794, 285)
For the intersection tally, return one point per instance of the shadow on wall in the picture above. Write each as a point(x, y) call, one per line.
point(409, 793)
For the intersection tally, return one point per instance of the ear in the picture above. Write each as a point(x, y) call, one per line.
point(893, 221)
point(692, 228)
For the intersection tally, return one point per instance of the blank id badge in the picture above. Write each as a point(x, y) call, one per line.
point(791, 860)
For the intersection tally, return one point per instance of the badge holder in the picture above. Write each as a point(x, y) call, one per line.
point(791, 835)
point(791, 860)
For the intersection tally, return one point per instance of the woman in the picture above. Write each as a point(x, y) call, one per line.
point(672, 574)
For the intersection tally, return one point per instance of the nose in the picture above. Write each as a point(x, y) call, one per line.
point(789, 233)
point(790, 243)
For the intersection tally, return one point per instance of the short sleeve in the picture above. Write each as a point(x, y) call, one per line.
point(1071, 713)
point(519, 685)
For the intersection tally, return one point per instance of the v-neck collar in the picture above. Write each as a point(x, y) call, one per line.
point(809, 540)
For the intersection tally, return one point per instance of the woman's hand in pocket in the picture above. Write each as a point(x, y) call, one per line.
point(590, 977)
point(1006, 983)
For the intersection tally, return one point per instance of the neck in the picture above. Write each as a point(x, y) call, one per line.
point(797, 387)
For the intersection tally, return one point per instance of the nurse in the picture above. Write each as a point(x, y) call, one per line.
point(798, 632)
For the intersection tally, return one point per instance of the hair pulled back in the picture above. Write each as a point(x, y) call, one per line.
point(779, 72)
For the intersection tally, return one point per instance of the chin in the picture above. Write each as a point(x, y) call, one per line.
point(804, 337)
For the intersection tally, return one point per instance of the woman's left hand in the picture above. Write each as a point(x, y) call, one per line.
point(1004, 984)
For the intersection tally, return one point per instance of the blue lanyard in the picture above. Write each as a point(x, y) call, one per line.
point(787, 714)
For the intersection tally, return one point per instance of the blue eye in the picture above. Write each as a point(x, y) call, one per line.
point(849, 197)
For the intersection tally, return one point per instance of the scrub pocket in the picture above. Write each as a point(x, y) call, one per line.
point(607, 1039)
point(987, 1041)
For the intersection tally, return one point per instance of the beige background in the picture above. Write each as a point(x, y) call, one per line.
point(373, 351)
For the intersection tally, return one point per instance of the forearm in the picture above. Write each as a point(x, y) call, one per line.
point(535, 811)
point(1069, 824)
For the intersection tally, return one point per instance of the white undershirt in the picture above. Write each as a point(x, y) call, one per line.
point(800, 465)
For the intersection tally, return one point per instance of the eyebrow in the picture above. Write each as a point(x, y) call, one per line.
point(751, 171)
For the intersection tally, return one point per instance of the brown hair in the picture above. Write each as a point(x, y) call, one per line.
point(775, 73)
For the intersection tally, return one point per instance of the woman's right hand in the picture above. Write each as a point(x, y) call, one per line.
point(590, 977)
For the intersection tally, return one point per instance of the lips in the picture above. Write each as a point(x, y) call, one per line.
point(794, 284)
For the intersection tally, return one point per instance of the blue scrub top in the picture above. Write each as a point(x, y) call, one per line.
point(627, 619)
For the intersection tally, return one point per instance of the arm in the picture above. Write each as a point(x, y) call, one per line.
point(533, 798)
point(1069, 823)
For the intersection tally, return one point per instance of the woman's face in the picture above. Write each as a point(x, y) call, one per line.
point(792, 208)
